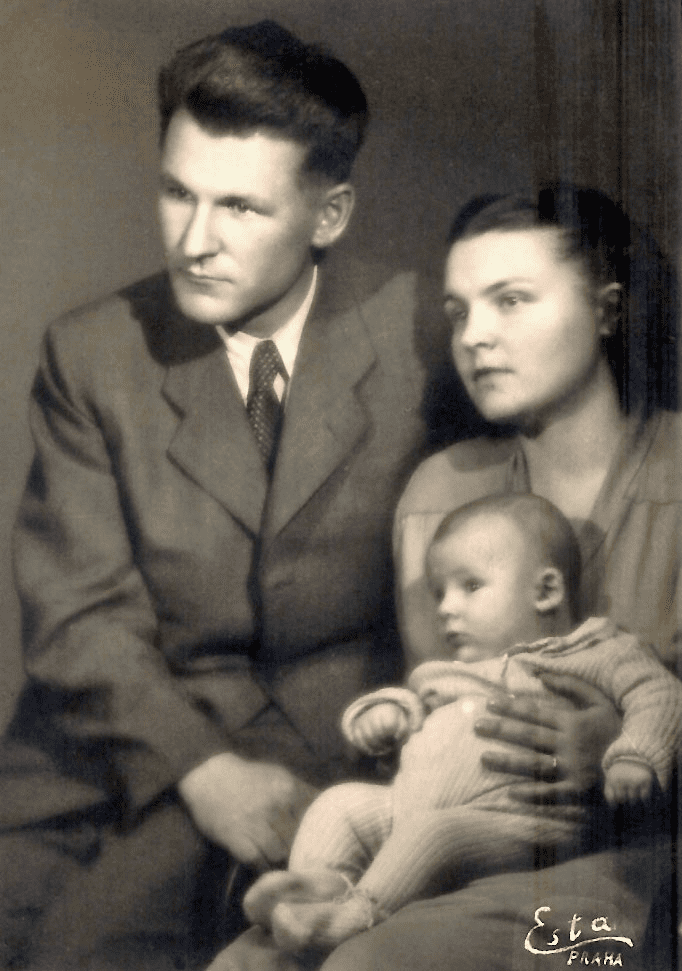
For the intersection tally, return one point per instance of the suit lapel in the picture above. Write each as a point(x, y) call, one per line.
point(324, 418)
point(214, 443)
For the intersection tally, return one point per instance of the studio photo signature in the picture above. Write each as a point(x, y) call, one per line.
point(581, 931)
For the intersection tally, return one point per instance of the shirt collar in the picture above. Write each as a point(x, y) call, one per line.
point(240, 346)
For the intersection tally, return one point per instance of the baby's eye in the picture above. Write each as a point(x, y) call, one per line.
point(471, 586)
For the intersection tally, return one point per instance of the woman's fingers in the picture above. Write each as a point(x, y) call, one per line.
point(530, 709)
point(535, 765)
point(562, 793)
point(573, 689)
point(532, 735)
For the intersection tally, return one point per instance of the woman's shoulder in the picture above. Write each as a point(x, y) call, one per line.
point(659, 478)
point(458, 474)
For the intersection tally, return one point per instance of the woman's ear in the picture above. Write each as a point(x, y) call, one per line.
point(608, 308)
point(550, 590)
point(336, 206)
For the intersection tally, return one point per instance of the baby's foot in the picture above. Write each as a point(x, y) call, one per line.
point(297, 927)
point(286, 885)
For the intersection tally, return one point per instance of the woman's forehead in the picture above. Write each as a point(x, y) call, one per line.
point(523, 250)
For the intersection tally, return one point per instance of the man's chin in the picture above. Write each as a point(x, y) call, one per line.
point(201, 309)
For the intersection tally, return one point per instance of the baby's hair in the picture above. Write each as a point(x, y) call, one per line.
point(540, 522)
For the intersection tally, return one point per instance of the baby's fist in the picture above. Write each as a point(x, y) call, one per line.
point(628, 782)
point(380, 728)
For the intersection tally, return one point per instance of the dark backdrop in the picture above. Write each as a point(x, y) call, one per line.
point(467, 96)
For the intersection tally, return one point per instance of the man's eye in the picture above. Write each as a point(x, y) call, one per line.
point(239, 206)
point(175, 192)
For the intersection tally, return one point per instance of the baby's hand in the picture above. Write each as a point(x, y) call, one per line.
point(380, 728)
point(628, 782)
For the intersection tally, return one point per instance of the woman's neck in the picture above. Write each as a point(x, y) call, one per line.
point(569, 455)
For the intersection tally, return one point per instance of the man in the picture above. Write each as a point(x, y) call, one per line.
point(203, 547)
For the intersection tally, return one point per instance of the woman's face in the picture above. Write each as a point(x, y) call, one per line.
point(526, 327)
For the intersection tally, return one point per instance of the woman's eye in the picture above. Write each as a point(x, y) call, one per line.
point(471, 586)
point(508, 301)
point(455, 312)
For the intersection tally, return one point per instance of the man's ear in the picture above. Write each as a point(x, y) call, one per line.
point(550, 590)
point(336, 206)
point(609, 307)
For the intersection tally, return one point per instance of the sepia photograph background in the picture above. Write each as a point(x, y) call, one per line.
point(467, 96)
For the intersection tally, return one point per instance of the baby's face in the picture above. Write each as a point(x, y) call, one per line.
point(484, 577)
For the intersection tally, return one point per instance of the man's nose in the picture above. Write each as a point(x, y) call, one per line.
point(199, 238)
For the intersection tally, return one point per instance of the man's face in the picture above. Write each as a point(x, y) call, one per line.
point(237, 224)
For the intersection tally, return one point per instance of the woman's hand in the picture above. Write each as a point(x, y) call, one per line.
point(561, 739)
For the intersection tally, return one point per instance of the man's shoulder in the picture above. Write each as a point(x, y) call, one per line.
point(139, 321)
point(458, 474)
point(383, 293)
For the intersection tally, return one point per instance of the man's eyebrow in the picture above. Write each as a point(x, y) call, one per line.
point(169, 179)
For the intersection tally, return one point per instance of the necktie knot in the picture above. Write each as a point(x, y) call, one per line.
point(262, 404)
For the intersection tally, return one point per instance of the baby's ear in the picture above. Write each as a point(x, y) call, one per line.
point(550, 590)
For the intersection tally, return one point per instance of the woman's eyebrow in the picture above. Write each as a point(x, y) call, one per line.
point(503, 284)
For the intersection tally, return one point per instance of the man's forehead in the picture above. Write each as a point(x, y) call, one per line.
point(197, 150)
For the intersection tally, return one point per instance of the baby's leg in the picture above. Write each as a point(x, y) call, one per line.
point(338, 837)
point(424, 855)
point(443, 849)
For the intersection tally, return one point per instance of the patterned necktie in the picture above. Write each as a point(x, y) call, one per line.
point(262, 404)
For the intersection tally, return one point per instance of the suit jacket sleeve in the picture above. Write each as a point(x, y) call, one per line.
point(90, 630)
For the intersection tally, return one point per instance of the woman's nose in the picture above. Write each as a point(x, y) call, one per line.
point(480, 327)
point(199, 239)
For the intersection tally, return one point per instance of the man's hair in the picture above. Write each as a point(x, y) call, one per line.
point(542, 525)
point(610, 248)
point(262, 77)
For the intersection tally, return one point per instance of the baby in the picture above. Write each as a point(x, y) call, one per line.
point(505, 573)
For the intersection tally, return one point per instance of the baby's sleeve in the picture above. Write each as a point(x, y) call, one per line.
point(650, 698)
point(403, 698)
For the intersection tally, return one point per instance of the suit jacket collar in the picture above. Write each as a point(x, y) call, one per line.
point(324, 418)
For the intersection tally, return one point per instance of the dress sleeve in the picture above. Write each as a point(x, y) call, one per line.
point(89, 624)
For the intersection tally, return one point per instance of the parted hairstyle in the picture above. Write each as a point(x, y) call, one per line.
point(544, 527)
point(262, 77)
point(642, 345)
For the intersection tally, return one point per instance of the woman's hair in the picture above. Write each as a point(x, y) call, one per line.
point(642, 348)
point(262, 77)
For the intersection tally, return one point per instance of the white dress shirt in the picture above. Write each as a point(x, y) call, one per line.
point(240, 346)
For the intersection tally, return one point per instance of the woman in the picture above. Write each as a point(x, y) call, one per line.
point(545, 301)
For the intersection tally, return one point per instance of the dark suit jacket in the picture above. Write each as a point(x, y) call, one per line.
point(168, 597)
